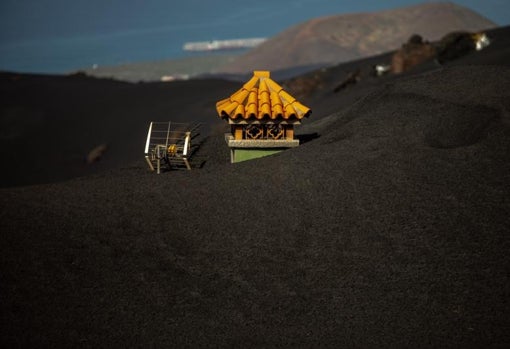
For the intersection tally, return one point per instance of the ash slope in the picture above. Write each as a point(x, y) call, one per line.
point(49, 124)
point(390, 229)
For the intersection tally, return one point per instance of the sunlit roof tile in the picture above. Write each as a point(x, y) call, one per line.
point(261, 98)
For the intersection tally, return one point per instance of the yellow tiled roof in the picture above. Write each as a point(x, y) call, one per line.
point(261, 98)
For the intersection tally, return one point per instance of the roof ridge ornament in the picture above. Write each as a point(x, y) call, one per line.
point(262, 73)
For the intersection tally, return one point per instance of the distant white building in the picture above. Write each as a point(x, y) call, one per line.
point(222, 44)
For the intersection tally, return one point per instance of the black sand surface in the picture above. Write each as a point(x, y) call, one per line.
point(387, 228)
point(50, 124)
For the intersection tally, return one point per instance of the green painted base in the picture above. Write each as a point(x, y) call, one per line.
point(238, 155)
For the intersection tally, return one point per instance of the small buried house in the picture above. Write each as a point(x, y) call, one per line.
point(262, 118)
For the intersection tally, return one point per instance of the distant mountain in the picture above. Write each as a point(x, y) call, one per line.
point(316, 43)
point(342, 38)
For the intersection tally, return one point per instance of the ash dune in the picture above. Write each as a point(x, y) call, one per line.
point(53, 123)
point(393, 223)
point(388, 227)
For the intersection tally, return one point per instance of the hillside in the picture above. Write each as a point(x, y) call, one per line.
point(346, 37)
point(319, 42)
point(181, 68)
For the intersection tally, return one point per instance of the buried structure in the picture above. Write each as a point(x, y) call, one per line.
point(262, 118)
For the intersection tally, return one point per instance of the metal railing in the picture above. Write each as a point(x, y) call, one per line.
point(170, 143)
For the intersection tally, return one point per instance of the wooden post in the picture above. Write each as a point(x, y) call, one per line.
point(289, 132)
point(238, 132)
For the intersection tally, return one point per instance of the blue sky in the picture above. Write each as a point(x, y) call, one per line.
point(61, 35)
